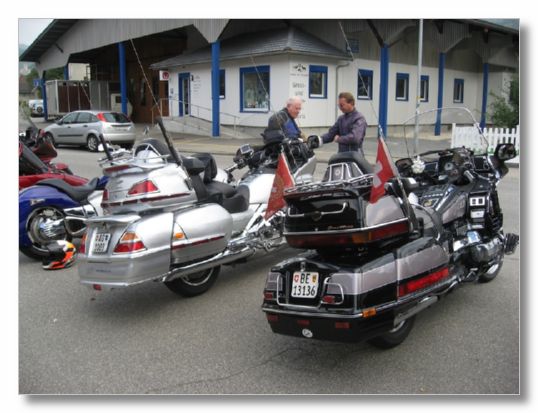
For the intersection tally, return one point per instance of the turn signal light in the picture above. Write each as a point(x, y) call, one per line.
point(129, 242)
point(143, 187)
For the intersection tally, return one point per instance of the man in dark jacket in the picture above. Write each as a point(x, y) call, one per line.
point(350, 128)
point(283, 121)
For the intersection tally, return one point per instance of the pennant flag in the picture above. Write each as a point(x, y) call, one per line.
point(283, 179)
point(383, 171)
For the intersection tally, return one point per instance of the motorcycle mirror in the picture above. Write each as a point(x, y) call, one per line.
point(505, 151)
point(314, 142)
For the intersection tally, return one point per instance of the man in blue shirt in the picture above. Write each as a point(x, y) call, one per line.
point(283, 121)
point(350, 128)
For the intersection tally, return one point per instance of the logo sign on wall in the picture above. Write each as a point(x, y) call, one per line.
point(164, 75)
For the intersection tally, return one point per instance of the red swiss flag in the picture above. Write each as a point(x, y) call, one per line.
point(383, 171)
point(283, 179)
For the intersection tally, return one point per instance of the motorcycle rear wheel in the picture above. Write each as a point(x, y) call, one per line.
point(37, 250)
point(395, 336)
point(492, 271)
point(194, 284)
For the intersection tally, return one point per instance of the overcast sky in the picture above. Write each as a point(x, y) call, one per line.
point(29, 29)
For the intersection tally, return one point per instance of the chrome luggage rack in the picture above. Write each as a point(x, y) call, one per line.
point(363, 181)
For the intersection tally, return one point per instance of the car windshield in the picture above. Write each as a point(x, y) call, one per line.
point(115, 117)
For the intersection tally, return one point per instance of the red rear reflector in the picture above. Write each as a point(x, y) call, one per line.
point(328, 299)
point(423, 282)
point(97, 287)
point(116, 168)
point(143, 187)
point(105, 195)
point(268, 296)
point(303, 323)
point(272, 318)
point(343, 325)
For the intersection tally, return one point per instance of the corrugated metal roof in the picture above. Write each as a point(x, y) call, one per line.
point(46, 39)
point(289, 40)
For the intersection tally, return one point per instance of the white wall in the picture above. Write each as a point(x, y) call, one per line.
point(286, 80)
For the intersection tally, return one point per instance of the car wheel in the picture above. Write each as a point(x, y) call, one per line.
point(92, 143)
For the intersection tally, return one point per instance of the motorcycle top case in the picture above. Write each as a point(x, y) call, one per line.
point(141, 186)
point(340, 215)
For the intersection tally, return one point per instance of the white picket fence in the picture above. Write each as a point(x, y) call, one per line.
point(469, 137)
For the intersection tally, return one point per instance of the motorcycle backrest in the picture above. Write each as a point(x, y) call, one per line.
point(355, 157)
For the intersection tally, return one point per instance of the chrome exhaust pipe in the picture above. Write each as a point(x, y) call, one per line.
point(421, 305)
point(219, 259)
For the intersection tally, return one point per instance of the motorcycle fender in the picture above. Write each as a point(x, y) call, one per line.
point(200, 232)
point(36, 197)
point(112, 269)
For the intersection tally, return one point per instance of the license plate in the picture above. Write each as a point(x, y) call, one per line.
point(100, 243)
point(304, 284)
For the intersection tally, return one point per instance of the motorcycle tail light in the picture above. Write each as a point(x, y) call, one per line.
point(129, 242)
point(82, 246)
point(144, 187)
point(105, 195)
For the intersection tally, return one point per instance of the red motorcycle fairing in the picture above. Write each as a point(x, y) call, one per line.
point(29, 180)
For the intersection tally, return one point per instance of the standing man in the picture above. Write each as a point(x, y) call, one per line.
point(350, 128)
point(283, 121)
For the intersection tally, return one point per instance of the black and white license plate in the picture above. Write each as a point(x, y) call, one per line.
point(100, 243)
point(304, 284)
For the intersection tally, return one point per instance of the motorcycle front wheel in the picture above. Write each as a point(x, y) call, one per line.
point(395, 336)
point(194, 284)
point(41, 232)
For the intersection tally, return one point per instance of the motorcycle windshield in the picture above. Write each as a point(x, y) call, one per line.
point(438, 129)
point(29, 163)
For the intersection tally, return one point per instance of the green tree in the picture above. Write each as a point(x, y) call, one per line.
point(505, 111)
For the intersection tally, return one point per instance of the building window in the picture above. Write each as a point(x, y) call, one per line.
point(317, 82)
point(365, 82)
point(254, 89)
point(402, 86)
point(222, 84)
point(458, 90)
point(424, 88)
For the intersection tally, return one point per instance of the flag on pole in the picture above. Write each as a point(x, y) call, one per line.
point(383, 171)
point(283, 179)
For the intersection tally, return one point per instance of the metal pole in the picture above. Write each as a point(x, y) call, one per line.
point(419, 71)
point(215, 87)
point(123, 78)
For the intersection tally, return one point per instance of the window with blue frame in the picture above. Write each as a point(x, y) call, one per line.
point(254, 88)
point(365, 84)
point(458, 90)
point(222, 84)
point(424, 88)
point(317, 82)
point(402, 86)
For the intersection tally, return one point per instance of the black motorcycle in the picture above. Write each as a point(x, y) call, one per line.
point(370, 267)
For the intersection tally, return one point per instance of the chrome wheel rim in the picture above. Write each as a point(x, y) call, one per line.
point(198, 278)
point(35, 223)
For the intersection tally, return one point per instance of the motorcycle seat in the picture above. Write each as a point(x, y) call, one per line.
point(78, 193)
point(355, 157)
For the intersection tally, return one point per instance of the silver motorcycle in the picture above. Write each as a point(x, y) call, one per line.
point(176, 219)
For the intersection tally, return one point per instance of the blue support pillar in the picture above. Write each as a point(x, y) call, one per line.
point(484, 95)
point(123, 78)
point(383, 89)
point(215, 86)
point(66, 72)
point(440, 87)
point(44, 96)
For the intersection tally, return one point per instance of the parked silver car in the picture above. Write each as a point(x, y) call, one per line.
point(84, 126)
